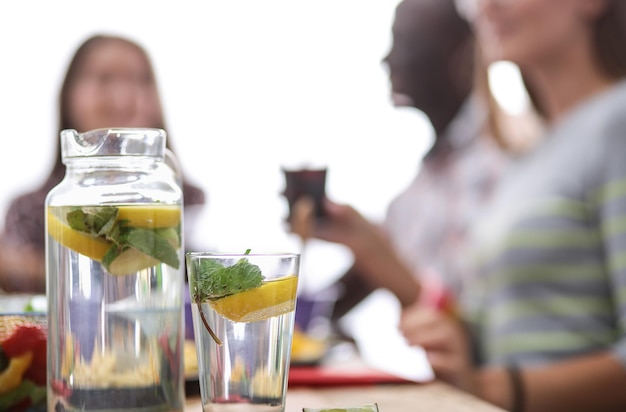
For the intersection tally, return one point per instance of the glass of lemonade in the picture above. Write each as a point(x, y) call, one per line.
point(243, 314)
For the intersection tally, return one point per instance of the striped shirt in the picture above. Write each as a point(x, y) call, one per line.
point(551, 265)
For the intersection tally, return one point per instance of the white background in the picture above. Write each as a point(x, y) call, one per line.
point(248, 86)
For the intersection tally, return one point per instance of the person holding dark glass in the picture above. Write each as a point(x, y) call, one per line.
point(419, 251)
point(542, 326)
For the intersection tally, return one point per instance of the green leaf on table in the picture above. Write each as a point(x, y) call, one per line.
point(26, 389)
point(363, 408)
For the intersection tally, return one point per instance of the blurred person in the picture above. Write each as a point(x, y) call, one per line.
point(110, 82)
point(544, 323)
point(421, 244)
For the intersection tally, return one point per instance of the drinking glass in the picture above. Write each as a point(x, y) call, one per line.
point(243, 315)
point(305, 182)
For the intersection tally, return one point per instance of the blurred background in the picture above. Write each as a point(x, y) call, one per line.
point(248, 87)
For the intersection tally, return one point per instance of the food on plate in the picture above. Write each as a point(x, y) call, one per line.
point(22, 363)
point(306, 348)
point(190, 358)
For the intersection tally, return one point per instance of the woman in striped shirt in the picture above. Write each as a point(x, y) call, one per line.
point(546, 312)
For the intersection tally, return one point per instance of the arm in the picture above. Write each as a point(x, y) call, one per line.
point(585, 383)
point(594, 381)
point(376, 264)
point(353, 290)
point(590, 383)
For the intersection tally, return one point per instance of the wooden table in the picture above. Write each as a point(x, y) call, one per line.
point(406, 397)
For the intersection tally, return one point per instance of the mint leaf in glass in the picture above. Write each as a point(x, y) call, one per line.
point(214, 281)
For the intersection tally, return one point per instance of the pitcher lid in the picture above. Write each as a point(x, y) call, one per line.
point(146, 142)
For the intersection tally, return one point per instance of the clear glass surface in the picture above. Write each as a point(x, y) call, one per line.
point(247, 370)
point(115, 276)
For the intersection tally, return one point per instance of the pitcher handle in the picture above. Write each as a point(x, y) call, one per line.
point(172, 162)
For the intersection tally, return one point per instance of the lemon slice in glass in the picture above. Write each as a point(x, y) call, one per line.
point(272, 298)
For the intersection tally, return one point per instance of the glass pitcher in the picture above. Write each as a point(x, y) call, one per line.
point(115, 275)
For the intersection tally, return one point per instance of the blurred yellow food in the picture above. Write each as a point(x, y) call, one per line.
point(11, 377)
point(267, 384)
point(190, 358)
point(305, 348)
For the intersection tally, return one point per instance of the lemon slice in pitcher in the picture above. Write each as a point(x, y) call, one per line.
point(80, 242)
point(150, 216)
point(272, 298)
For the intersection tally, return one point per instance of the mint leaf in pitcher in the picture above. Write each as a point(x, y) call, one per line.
point(132, 248)
point(151, 243)
point(137, 248)
point(96, 222)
